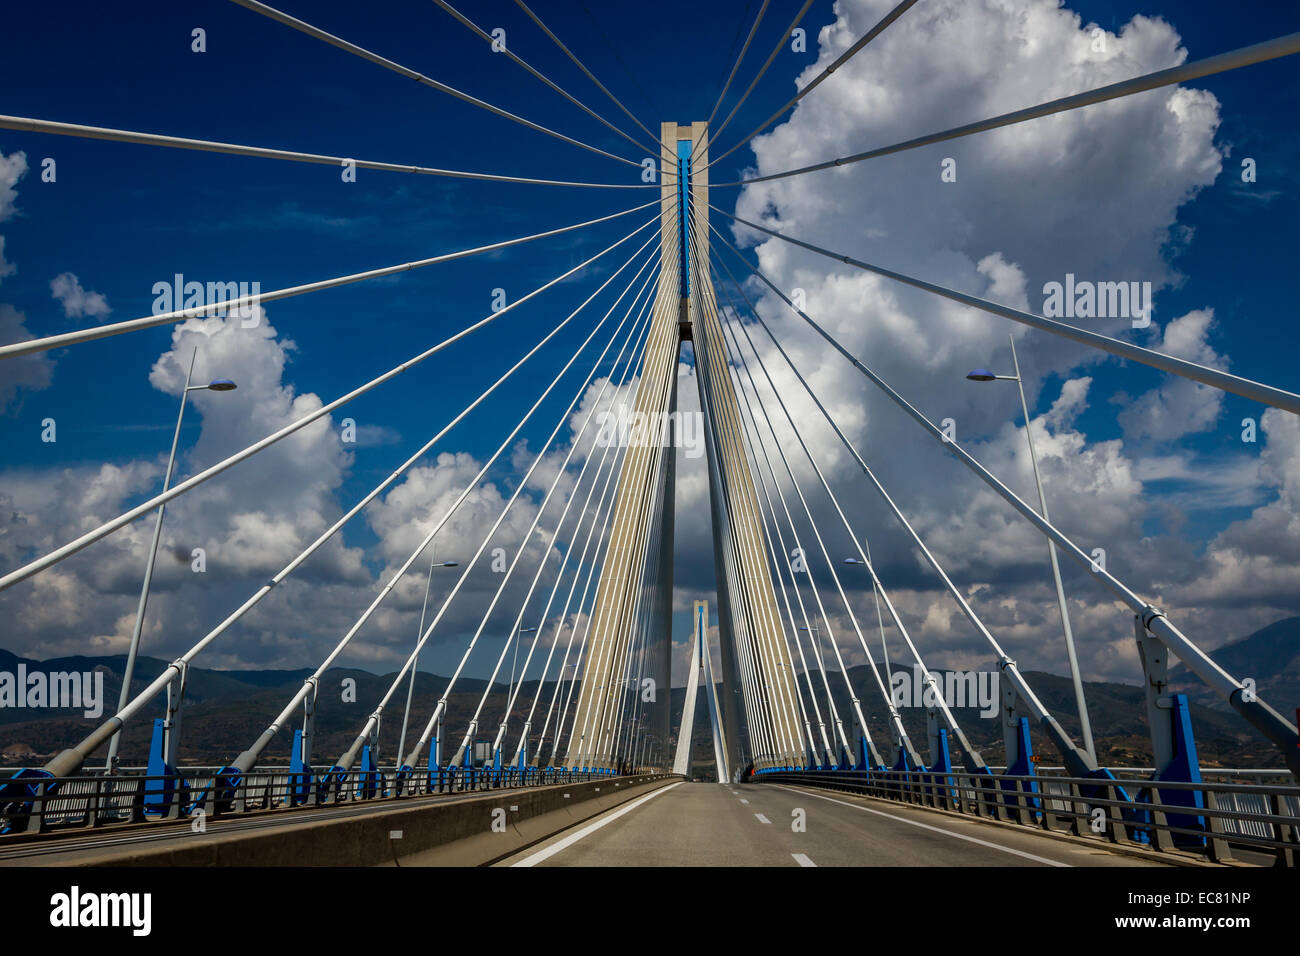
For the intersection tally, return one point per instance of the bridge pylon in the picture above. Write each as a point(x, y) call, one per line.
point(759, 707)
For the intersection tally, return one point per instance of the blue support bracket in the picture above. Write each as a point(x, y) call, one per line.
point(368, 776)
point(298, 789)
point(17, 797)
point(845, 763)
point(903, 763)
point(1184, 767)
point(1021, 766)
point(167, 788)
point(435, 771)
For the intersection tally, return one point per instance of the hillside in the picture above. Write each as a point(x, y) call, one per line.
point(226, 710)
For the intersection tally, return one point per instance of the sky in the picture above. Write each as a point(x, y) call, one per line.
point(1151, 469)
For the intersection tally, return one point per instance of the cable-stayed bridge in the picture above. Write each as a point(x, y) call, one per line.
point(596, 761)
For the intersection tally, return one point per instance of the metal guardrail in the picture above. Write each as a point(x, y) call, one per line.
point(1207, 818)
point(41, 804)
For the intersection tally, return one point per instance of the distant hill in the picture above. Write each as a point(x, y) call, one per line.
point(1270, 656)
point(225, 710)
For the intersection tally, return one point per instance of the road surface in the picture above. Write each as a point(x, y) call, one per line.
point(704, 824)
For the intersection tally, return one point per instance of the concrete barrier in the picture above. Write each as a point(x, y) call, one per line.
point(457, 832)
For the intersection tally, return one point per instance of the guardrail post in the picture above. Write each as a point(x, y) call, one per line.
point(1116, 828)
point(1283, 832)
point(1216, 845)
point(1161, 838)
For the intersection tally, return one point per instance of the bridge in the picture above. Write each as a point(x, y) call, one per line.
point(593, 766)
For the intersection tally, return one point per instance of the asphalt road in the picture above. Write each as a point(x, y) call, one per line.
point(704, 824)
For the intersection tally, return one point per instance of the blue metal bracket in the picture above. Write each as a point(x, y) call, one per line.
point(168, 788)
point(17, 796)
point(298, 789)
point(1021, 766)
point(368, 776)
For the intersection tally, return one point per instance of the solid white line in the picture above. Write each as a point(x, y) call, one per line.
point(926, 826)
point(573, 838)
point(762, 819)
point(802, 859)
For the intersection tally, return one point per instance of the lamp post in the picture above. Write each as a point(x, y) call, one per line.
point(889, 673)
point(216, 385)
point(515, 665)
point(410, 688)
point(984, 375)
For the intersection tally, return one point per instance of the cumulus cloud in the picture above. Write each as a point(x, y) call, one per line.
point(12, 168)
point(1179, 406)
point(1095, 193)
point(77, 302)
point(31, 372)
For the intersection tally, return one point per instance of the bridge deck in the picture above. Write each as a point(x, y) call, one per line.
point(751, 825)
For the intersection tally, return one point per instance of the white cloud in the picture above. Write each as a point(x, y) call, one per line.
point(31, 372)
point(12, 168)
point(77, 302)
point(6, 268)
point(1094, 192)
point(1179, 406)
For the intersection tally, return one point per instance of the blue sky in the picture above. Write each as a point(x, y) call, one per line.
point(122, 217)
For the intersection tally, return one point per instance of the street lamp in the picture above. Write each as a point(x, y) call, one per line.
point(889, 671)
point(515, 665)
point(216, 385)
point(410, 688)
point(984, 375)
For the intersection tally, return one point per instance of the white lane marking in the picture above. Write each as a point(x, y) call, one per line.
point(744, 801)
point(926, 826)
point(591, 828)
point(762, 819)
point(802, 859)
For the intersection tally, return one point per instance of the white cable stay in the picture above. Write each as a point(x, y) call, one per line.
point(1259, 714)
point(32, 125)
point(602, 551)
point(762, 630)
point(527, 536)
point(580, 65)
point(108, 527)
point(755, 440)
point(69, 761)
point(1078, 758)
point(606, 496)
point(970, 754)
point(742, 437)
point(1233, 59)
point(373, 721)
point(816, 81)
point(247, 759)
point(1224, 381)
point(780, 45)
point(603, 663)
point(505, 48)
point(242, 303)
point(319, 34)
point(722, 94)
point(646, 312)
